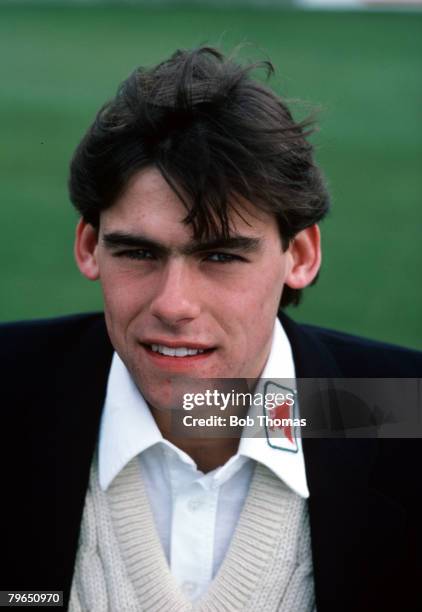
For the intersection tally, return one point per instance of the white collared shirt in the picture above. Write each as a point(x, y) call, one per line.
point(195, 513)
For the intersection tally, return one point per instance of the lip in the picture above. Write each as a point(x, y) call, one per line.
point(176, 364)
point(177, 344)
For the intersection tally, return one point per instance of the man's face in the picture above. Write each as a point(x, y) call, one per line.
point(176, 308)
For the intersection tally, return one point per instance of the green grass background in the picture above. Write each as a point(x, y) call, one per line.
point(364, 70)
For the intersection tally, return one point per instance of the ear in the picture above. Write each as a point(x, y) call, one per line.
point(305, 252)
point(85, 250)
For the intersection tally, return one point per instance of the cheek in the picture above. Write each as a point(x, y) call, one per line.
point(271, 294)
point(266, 293)
point(252, 298)
point(254, 311)
point(123, 299)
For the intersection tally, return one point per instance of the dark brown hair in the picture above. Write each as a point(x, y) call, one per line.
point(215, 134)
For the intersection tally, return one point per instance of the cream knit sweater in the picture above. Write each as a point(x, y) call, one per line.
point(121, 566)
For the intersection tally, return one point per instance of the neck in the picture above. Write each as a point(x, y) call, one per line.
point(208, 453)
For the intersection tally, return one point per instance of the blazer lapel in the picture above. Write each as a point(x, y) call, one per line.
point(349, 519)
point(80, 401)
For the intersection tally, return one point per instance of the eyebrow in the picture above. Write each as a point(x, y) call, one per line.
point(246, 244)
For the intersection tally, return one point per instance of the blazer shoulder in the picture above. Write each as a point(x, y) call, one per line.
point(361, 356)
point(43, 336)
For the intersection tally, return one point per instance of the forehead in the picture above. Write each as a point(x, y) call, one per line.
point(150, 204)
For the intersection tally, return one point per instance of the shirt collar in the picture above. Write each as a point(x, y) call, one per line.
point(288, 466)
point(128, 428)
point(127, 425)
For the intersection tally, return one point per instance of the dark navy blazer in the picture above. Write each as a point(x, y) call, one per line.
point(365, 494)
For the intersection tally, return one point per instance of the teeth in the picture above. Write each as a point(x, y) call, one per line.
point(180, 351)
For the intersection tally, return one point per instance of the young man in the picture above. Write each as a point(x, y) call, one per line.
point(199, 202)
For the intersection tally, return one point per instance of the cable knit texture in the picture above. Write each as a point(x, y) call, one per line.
point(121, 567)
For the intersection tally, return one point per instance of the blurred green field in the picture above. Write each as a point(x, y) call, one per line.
point(364, 70)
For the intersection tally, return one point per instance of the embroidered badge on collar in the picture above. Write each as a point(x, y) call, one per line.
point(280, 414)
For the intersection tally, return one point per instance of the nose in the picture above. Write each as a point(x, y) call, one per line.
point(176, 299)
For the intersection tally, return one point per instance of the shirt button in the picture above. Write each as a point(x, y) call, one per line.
point(189, 588)
point(195, 504)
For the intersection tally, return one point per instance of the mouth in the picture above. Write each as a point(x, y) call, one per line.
point(180, 354)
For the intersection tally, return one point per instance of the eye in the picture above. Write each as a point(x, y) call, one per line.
point(223, 257)
point(138, 254)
